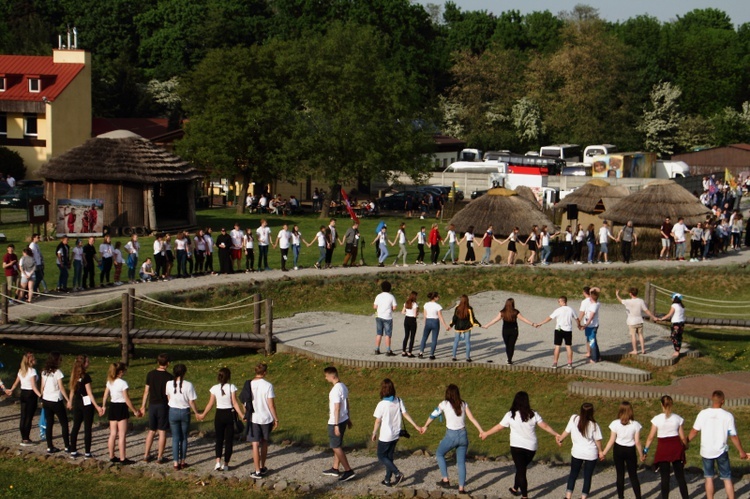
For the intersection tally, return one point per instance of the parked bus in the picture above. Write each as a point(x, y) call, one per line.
point(571, 153)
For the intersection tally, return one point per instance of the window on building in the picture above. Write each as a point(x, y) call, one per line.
point(3, 124)
point(34, 85)
point(445, 162)
point(30, 125)
point(2, 84)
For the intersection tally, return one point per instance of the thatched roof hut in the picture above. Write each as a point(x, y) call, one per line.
point(502, 208)
point(527, 193)
point(138, 184)
point(594, 196)
point(657, 200)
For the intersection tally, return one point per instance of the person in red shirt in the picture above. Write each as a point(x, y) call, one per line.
point(10, 265)
point(434, 242)
point(71, 221)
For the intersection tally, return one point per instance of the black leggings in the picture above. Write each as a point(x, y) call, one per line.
point(420, 256)
point(521, 458)
point(626, 457)
point(52, 409)
point(224, 426)
point(29, 402)
point(588, 472)
point(81, 414)
point(106, 268)
point(435, 252)
point(250, 259)
point(510, 337)
point(410, 331)
point(679, 474)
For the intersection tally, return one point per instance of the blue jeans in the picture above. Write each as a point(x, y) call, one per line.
point(385, 456)
point(181, 263)
point(487, 255)
point(725, 471)
point(77, 272)
point(592, 251)
point(179, 422)
point(588, 472)
point(62, 281)
point(263, 257)
point(467, 341)
point(451, 251)
point(322, 250)
point(454, 439)
point(546, 253)
point(295, 253)
point(591, 338)
point(383, 253)
point(383, 327)
point(431, 326)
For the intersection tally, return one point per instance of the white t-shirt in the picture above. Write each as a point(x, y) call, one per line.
point(625, 433)
point(422, 239)
point(593, 311)
point(667, 426)
point(321, 239)
point(262, 391)
point(28, 381)
point(236, 235)
point(248, 241)
point(158, 247)
point(401, 236)
point(51, 391)
point(431, 309)
point(132, 247)
point(105, 250)
point(584, 447)
point(580, 235)
point(180, 244)
point(679, 313)
point(296, 238)
point(209, 242)
point(389, 412)
point(180, 399)
point(715, 425)
point(452, 421)
point(564, 317)
point(385, 302)
point(603, 233)
point(264, 235)
point(77, 253)
point(584, 304)
point(116, 389)
point(451, 236)
point(223, 401)
point(283, 238)
point(522, 433)
point(634, 307)
point(679, 230)
point(200, 243)
point(545, 238)
point(412, 312)
point(339, 394)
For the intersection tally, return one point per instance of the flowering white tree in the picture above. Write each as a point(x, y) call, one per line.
point(662, 119)
point(527, 120)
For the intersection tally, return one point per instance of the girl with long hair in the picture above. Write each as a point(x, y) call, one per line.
point(578, 244)
point(433, 316)
point(421, 239)
point(510, 317)
point(522, 421)
point(434, 243)
point(470, 258)
point(456, 411)
point(568, 244)
point(587, 448)
point(512, 240)
point(532, 241)
point(117, 391)
point(296, 242)
point(402, 241)
point(247, 244)
point(30, 394)
point(181, 395)
point(462, 323)
point(677, 315)
point(227, 410)
point(451, 238)
point(626, 439)
point(411, 312)
point(591, 243)
point(670, 447)
point(487, 239)
point(53, 393)
point(388, 414)
point(83, 404)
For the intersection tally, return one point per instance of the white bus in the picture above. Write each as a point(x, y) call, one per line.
point(571, 153)
point(597, 150)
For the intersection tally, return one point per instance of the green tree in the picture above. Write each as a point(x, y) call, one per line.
point(11, 163)
point(470, 30)
point(732, 126)
point(662, 119)
point(355, 119)
point(240, 116)
point(543, 31)
point(527, 121)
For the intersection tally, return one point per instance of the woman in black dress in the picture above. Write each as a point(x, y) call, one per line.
point(510, 317)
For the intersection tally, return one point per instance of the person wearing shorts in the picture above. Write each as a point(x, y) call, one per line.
point(635, 307)
point(237, 236)
point(263, 420)
point(158, 410)
point(716, 425)
point(666, 241)
point(385, 304)
point(338, 422)
point(564, 317)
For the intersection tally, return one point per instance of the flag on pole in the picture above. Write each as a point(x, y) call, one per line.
point(348, 206)
point(729, 178)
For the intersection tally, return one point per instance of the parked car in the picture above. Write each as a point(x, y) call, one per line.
point(398, 200)
point(477, 194)
point(442, 189)
point(19, 196)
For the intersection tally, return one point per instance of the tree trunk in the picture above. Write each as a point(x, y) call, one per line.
point(325, 210)
point(240, 200)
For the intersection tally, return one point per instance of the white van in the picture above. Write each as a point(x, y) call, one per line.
point(571, 153)
point(597, 150)
point(671, 169)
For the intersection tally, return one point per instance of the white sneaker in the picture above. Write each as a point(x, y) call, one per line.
point(404, 265)
point(296, 268)
point(217, 467)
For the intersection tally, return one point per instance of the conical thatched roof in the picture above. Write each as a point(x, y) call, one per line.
point(503, 209)
point(594, 196)
point(656, 201)
point(118, 156)
point(528, 194)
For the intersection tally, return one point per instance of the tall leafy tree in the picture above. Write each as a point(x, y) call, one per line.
point(662, 119)
point(355, 119)
point(240, 116)
point(469, 30)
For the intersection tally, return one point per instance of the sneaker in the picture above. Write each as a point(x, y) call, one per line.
point(296, 268)
point(225, 467)
point(66, 450)
point(607, 262)
point(217, 467)
point(444, 483)
point(73, 454)
point(389, 353)
point(469, 360)
point(26, 443)
point(263, 470)
point(317, 266)
point(255, 475)
point(398, 479)
point(569, 366)
point(346, 476)
point(88, 455)
point(162, 460)
point(432, 357)
point(510, 362)
point(126, 462)
point(386, 483)
point(554, 366)
point(454, 359)
point(52, 450)
point(149, 458)
point(377, 351)
point(114, 460)
point(331, 472)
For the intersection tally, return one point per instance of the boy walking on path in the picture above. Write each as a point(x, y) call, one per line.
point(338, 422)
point(263, 420)
point(385, 304)
point(716, 425)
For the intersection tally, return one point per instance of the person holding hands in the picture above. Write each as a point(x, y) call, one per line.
point(635, 307)
point(564, 317)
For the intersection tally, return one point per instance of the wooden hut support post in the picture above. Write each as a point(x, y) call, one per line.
point(269, 327)
point(125, 330)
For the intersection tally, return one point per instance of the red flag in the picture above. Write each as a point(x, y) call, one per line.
point(348, 206)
